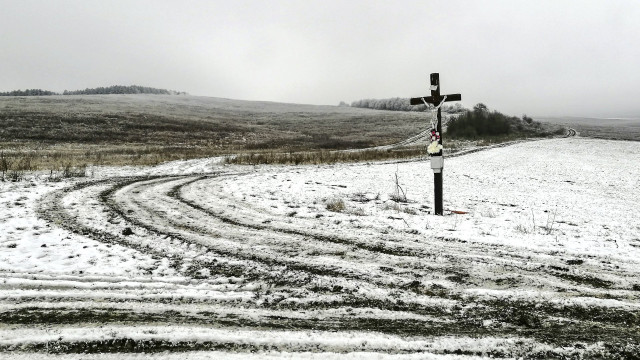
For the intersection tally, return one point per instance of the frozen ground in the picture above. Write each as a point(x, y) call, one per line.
point(538, 255)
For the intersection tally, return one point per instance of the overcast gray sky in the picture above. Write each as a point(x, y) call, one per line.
point(555, 57)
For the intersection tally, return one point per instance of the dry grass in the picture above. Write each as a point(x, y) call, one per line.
point(53, 156)
point(322, 156)
point(151, 129)
point(13, 168)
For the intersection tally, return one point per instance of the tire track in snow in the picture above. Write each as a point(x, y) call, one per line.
point(348, 277)
point(105, 236)
point(535, 264)
point(465, 249)
point(189, 238)
point(262, 228)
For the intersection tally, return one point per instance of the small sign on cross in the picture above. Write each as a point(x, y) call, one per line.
point(437, 160)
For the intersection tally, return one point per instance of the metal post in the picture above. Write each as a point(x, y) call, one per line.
point(437, 177)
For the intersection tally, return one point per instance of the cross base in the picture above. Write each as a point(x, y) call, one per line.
point(437, 163)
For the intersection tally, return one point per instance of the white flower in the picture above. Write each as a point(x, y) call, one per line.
point(434, 147)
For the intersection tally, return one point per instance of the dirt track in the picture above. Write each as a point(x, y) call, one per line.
point(242, 267)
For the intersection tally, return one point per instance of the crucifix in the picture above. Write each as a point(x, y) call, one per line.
point(437, 160)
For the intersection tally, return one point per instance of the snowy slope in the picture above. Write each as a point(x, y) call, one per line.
point(541, 259)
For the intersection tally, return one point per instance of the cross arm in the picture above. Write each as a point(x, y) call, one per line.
point(431, 100)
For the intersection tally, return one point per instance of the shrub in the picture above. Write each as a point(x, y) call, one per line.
point(480, 122)
point(336, 205)
point(70, 171)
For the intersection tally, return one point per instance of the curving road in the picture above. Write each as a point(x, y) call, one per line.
point(238, 268)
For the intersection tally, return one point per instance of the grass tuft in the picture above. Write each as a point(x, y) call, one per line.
point(336, 205)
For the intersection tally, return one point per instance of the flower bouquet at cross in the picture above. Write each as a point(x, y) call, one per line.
point(435, 146)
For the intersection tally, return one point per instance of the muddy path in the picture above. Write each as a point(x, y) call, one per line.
point(240, 267)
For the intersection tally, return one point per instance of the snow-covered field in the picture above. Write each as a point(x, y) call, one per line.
point(538, 255)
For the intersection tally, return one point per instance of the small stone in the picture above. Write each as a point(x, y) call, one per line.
point(127, 231)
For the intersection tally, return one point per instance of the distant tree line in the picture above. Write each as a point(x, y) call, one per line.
point(115, 89)
point(401, 104)
point(119, 89)
point(28, 92)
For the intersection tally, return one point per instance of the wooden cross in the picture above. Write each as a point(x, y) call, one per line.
point(437, 161)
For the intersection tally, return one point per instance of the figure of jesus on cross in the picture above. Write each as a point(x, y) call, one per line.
point(435, 149)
